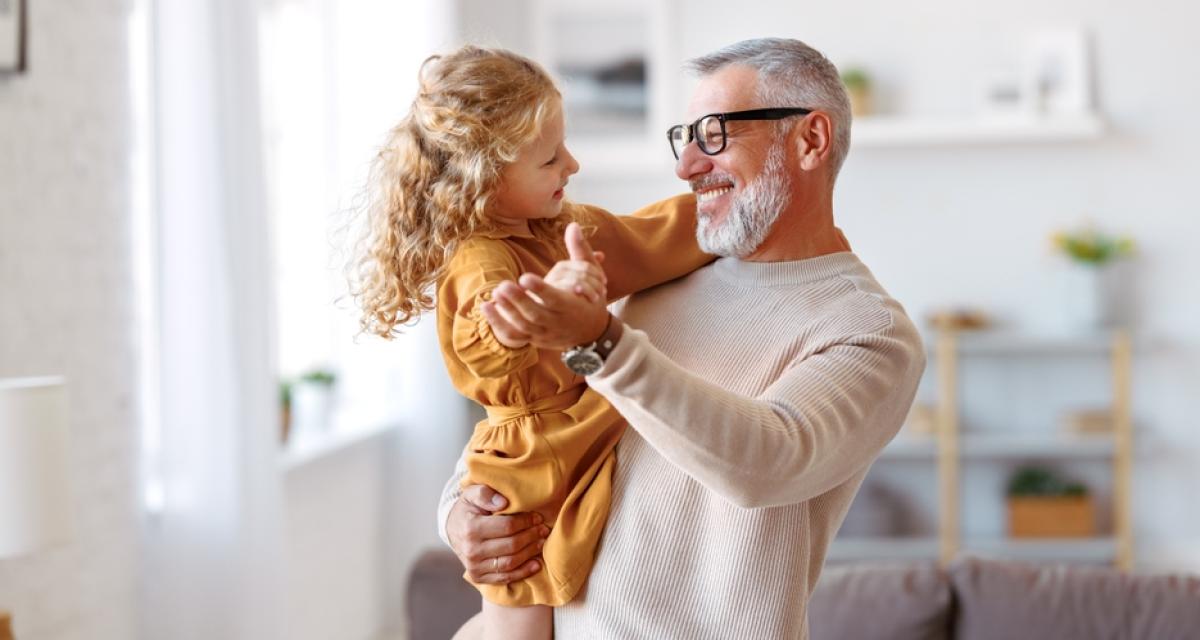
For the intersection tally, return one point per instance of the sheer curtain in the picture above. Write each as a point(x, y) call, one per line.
point(210, 475)
point(213, 494)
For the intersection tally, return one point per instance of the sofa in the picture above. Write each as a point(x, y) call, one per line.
point(972, 598)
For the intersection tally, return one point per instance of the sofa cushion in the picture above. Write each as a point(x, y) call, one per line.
point(1001, 599)
point(1165, 607)
point(892, 602)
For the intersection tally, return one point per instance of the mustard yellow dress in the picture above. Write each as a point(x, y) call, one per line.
point(548, 441)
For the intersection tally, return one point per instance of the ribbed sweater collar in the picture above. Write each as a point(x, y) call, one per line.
point(769, 274)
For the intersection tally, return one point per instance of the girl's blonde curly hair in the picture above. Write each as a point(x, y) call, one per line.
point(431, 183)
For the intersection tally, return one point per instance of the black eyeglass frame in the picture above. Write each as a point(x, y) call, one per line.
point(777, 113)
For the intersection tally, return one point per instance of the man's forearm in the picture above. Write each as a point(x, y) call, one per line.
point(825, 418)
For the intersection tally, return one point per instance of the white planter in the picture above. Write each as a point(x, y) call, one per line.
point(312, 408)
point(1085, 295)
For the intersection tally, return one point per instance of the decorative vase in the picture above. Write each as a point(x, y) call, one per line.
point(860, 101)
point(1085, 297)
point(312, 408)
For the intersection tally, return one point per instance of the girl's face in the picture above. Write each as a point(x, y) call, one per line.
point(532, 186)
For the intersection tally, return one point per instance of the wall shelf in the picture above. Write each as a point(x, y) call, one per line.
point(908, 131)
point(649, 155)
point(989, 343)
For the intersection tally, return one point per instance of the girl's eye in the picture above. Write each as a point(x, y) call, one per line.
point(551, 161)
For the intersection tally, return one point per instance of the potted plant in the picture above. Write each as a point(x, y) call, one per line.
point(1086, 288)
point(1042, 504)
point(858, 87)
point(1089, 246)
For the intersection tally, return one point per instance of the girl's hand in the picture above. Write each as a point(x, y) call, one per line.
point(584, 278)
point(505, 333)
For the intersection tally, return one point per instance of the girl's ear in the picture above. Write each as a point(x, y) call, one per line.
point(813, 139)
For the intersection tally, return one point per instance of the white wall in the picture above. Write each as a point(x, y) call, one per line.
point(66, 305)
point(970, 225)
point(334, 546)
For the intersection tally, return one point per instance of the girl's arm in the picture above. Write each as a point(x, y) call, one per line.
point(654, 245)
point(470, 279)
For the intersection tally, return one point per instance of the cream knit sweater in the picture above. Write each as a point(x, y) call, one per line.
point(758, 395)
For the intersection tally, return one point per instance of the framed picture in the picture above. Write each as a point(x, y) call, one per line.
point(611, 62)
point(601, 57)
point(1057, 72)
point(12, 35)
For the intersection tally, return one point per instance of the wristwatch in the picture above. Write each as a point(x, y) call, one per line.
point(588, 359)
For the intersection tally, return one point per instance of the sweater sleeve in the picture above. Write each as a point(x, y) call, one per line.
point(450, 495)
point(654, 245)
point(822, 421)
point(471, 279)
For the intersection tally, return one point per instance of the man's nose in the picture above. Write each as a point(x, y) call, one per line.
point(692, 162)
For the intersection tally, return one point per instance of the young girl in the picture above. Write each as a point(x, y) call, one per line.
point(467, 192)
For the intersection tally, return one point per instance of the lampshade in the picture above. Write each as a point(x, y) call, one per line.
point(35, 499)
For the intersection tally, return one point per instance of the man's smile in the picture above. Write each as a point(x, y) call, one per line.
point(707, 189)
point(705, 196)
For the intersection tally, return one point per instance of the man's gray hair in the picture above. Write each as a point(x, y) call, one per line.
point(790, 74)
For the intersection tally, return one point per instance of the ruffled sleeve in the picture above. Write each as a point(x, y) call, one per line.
point(471, 278)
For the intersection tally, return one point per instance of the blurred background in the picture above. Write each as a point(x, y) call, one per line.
point(176, 181)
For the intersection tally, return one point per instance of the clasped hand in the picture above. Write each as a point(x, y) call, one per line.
point(564, 309)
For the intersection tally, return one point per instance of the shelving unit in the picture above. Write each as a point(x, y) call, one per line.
point(951, 449)
point(950, 347)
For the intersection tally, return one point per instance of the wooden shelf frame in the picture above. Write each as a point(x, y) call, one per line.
point(948, 350)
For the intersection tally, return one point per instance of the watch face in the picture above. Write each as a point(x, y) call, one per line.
point(584, 362)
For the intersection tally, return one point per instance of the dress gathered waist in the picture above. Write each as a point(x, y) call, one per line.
point(499, 414)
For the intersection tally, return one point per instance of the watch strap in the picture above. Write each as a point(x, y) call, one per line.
point(608, 340)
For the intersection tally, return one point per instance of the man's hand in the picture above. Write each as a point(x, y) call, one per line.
point(494, 549)
point(545, 316)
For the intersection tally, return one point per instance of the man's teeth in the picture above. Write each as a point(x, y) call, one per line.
point(709, 195)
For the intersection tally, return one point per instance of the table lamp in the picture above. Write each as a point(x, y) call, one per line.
point(35, 496)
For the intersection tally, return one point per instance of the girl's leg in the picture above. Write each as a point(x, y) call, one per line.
point(517, 623)
point(471, 630)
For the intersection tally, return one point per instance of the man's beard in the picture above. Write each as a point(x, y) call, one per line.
point(751, 214)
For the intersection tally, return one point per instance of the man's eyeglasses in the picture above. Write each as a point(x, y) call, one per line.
point(709, 131)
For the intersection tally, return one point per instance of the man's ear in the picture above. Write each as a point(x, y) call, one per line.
point(813, 140)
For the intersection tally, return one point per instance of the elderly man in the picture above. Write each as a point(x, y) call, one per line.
point(758, 389)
